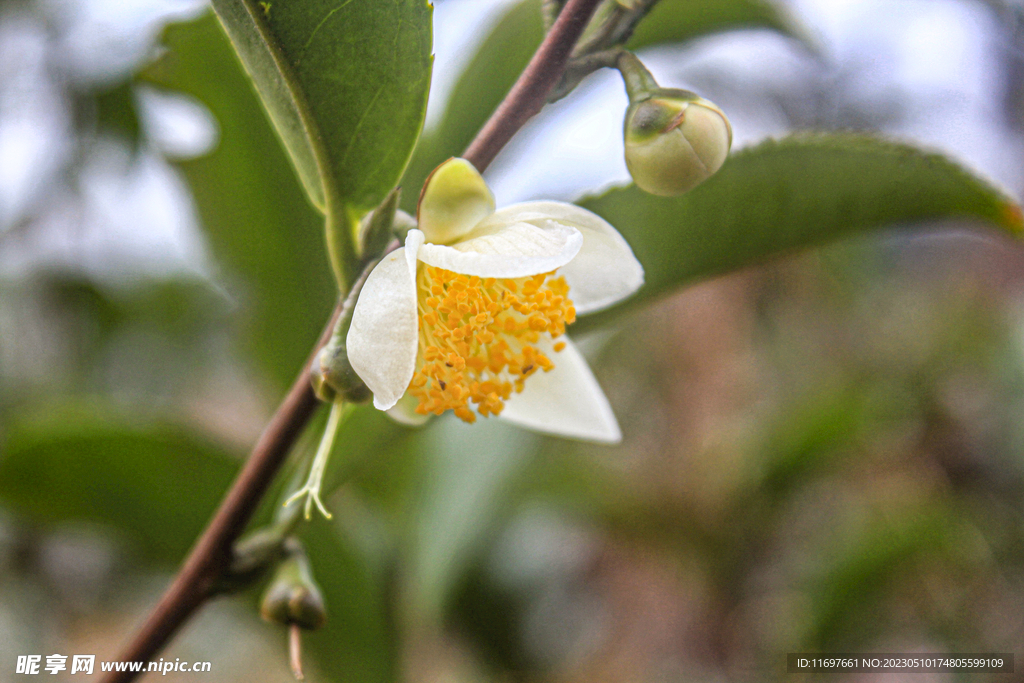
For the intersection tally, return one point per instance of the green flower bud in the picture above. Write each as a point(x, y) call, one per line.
point(454, 199)
point(293, 596)
point(379, 227)
point(675, 140)
point(321, 388)
point(332, 374)
point(252, 556)
point(376, 228)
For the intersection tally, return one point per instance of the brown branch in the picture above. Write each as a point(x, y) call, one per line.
point(528, 95)
point(211, 555)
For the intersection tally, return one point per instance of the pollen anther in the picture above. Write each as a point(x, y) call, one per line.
point(477, 336)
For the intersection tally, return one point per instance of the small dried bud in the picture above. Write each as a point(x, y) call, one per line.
point(293, 596)
point(674, 141)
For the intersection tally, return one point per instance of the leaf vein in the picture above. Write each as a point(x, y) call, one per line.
point(359, 124)
point(322, 22)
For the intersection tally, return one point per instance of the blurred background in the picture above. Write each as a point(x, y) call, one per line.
point(825, 452)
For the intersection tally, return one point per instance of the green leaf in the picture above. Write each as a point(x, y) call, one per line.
point(439, 491)
point(802, 191)
point(345, 84)
point(257, 220)
point(157, 482)
point(676, 21)
point(356, 643)
point(504, 53)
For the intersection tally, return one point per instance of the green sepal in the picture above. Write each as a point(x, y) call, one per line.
point(376, 230)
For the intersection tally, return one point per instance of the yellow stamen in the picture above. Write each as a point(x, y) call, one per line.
point(477, 337)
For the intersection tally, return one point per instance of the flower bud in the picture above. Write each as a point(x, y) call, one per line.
point(674, 141)
point(332, 375)
point(293, 596)
point(376, 229)
point(453, 201)
point(252, 556)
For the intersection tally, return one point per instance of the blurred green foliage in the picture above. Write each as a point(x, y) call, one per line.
point(75, 462)
point(261, 227)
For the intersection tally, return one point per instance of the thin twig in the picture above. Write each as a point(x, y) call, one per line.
point(211, 555)
point(529, 93)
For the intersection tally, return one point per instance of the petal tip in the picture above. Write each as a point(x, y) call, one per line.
point(612, 435)
point(386, 404)
point(566, 402)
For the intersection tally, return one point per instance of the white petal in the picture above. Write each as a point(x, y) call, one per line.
point(455, 199)
point(383, 339)
point(507, 250)
point(604, 272)
point(405, 413)
point(567, 401)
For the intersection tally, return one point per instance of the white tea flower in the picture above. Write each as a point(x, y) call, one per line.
point(470, 314)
